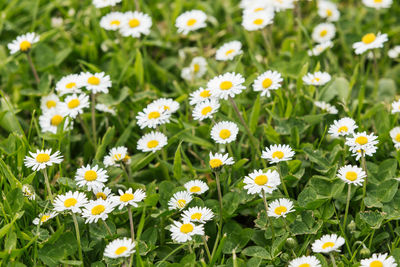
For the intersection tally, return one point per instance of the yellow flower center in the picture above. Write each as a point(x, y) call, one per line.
point(152, 144)
point(181, 203)
point(224, 133)
point(196, 67)
point(328, 245)
point(191, 22)
point(115, 22)
point(117, 156)
point(351, 176)
point(278, 154)
point(361, 140)
point(378, 1)
point(90, 175)
point(120, 250)
point(70, 202)
point(258, 21)
point(24, 46)
point(70, 85)
point(73, 103)
point(215, 163)
point(226, 85)
point(305, 265)
point(101, 195)
point(266, 83)
point(329, 12)
point(261, 179)
point(230, 51)
point(343, 129)
point(97, 210)
point(93, 80)
point(56, 120)
point(154, 115)
point(279, 210)
point(133, 23)
point(376, 263)
point(186, 228)
point(195, 189)
point(323, 33)
point(51, 104)
point(126, 197)
point(258, 9)
point(368, 38)
point(44, 218)
point(397, 138)
point(205, 93)
point(206, 110)
point(316, 79)
point(41, 158)
point(196, 216)
point(127, 158)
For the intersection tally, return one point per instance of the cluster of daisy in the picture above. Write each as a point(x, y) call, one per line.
point(128, 23)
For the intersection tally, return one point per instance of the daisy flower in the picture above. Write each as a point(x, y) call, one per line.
point(370, 41)
point(257, 20)
point(42, 158)
point(152, 142)
point(97, 209)
point(199, 96)
point(352, 175)
point(278, 153)
point(48, 102)
point(23, 42)
point(379, 260)
point(197, 214)
point(377, 4)
point(70, 201)
point(106, 109)
point(228, 51)
point(96, 83)
point(206, 109)
point(120, 248)
point(328, 10)
point(280, 207)
point(394, 52)
point(255, 6)
point(317, 78)
point(28, 192)
point(50, 120)
point(259, 180)
point(135, 24)
point(305, 261)
point(326, 107)
point(128, 198)
point(183, 231)
point(395, 135)
point(197, 187)
point(320, 48)
point(179, 200)
point(92, 177)
point(226, 85)
point(191, 21)
point(367, 151)
point(73, 105)
point(116, 156)
point(328, 243)
point(218, 160)
point(224, 132)
point(197, 69)
point(152, 117)
point(44, 217)
point(361, 141)
point(396, 107)
point(342, 127)
point(269, 80)
point(281, 5)
point(168, 104)
point(103, 193)
point(69, 84)
point(105, 3)
point(112, 21)
point(323, 32)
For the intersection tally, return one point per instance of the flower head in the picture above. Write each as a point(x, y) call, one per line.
point(152, 116)
point(51, 119)
point(152, 142)
point(378, 4)
point(42, 158)
point(105, 3)
point(206, 109)
point(116, 156)
point(70, 84)
point(95, 82)
point(395, 135)
point(28, 192)
point(224, 132)
point(328, 243)
point(128, 198)
point(120, 248)
point(280, 207)
point(49, 102)
point(70, 201)
point(379, 260)
point(277, 153)
point(320, 48)
point(219, 160)
point(183, 231)
point(323, 32)
point(352, 175)
point(135, 24)
point(229, 51)
point(305, 261)
point(23, 43)
point(226, 85)
point(257, 20)
point(44, 217)
point(318, 78)
point(112, 21)
point(179, 200)
point(342, 127)
point(361, 141)
point(328, 10)
point(92, 177)
point(259, 180)
point(199, 96)
point(370, 41)
point(191, 21)
point(197, 69)
point(197, 187)
point(74, 104)
point(269, 80)
point(169, 105)
point(197, 214)
point(97, 209)
point(326, 107)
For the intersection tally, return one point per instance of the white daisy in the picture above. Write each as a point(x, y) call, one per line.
point(394, 52)
point(168, 104)
point(396, 107)
point(197, 187)
point(255, 6)
point(280, 207)
point(323, 32)
point(259, 180)
point(23, 42)
point(226, 85)
point(135, 24)
point(305, 261)
point(152, 142)
point(179, 200)
point(152, 117)
point(320, 48)
point(183, 231)
point(328, 10)
point(378, 4)
point(317, 78)
point(69, 84)
point(128, 198)
point(361, 140)
point(395, 135)
point(103, 193)
point(106, 109)
point(105, 3)
point(97, 209)
point(370, 41)
point(326, 107)
point(44, 217)
point(92, 177)
point(28, 192)
point(218, 160)
point(229, 50)
point(197, 214)
point(342, 127)
point(42, 158)
point(48, 102)
point(74, 104)
point(281, 5)
point(96, 83)
point(367, 151)
point(199, 96)
point(191, 21)
point(206, 109)
point(70, 201)
point(269, 80)
point(197, 69)
point(257, 20)
point(352, 175)
point(120, 248)
point(277, 153)
point(328, 243)
point(51, 119)
point(115, 156)
point(112, 21)
point(379, 260)
point(224, 132)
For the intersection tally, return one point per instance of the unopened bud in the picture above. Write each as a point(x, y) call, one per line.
point(365, 252)
point(291, 243)
point(352, 226)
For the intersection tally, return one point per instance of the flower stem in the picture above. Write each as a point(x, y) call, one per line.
point(206, 247)
point(219, 197)
point(78, 237)
point(131, 223)
point(365, 181)
point(108, 228)
point(37, 79)
point(86, 130)
point(93, 96)
point(282, 181)
point(46, 179)
point(347, 207)
point(332, 259)
point(268, 218)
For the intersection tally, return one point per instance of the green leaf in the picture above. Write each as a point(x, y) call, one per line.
point(256, 251)
point(14, 182)
point(139, 67)
point(255, 114)
point(107, 138)
point(178, 163)
point(372, 218)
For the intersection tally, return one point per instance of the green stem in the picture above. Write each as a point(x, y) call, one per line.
point(365, 180)
point(131, 224)
point(282, 181)
point(86, 130)
point(268, 218)
point(206, 247)
point(28, 55)
point(332, 259)
point(46, 179)
point(78, 237)
point(219, 198)
point(94, 132)
point(347, 207)
point(170, 254)
point(108, 228)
